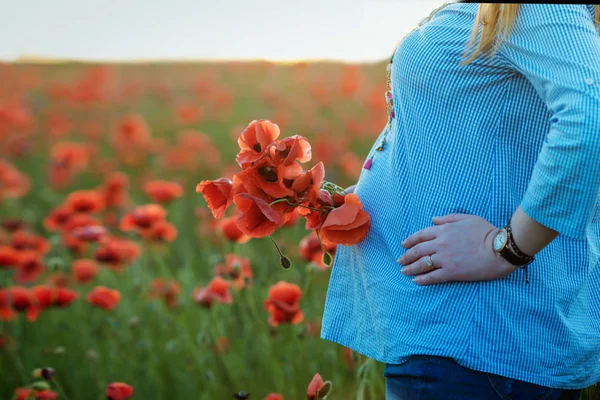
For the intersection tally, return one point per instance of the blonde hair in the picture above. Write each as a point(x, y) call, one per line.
point(496, 21)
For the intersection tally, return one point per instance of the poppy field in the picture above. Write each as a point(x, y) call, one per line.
point(116, 279)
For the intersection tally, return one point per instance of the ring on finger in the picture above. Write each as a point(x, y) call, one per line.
point(428, 262)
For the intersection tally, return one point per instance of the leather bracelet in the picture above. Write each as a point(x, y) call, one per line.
point(525, 259)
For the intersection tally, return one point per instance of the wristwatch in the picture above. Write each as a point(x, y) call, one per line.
point(505, 247)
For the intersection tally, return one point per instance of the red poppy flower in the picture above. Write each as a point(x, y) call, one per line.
point(58, 125)
point(13, 183)
point(84, 270)
point(77, 227)
point(104, 297)
point(256, 219)
point(217, 289)
point(89, 233)
point(236, 268)
point(347, 224)
point(119, 391)
point(265, 177)
point(30, 268)
point(9, 257)
point(70, 156)
point(167, 289)
point(290, 150)
point(56, 219)
point(117, 252)
point(131, 131)
point(65, 296)
point(20, 297)
point(218, 195)
point(26, 393)
point(310, 250)
point(282, 303)
point(114, 189)
point(163, 192)
point(254, 141)
point(317, 389)
point(85, 201)
point(308, 184)
point(187, 113)
point(27, 241)
point(142, 218)
point(229, 229)
point(274, 396)
point(160, 231)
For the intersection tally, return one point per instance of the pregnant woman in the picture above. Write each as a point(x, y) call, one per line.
point(499, 297)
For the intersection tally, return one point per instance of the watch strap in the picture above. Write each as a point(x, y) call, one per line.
point(512, 253)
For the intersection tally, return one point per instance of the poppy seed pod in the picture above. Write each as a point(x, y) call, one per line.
point(285, 262)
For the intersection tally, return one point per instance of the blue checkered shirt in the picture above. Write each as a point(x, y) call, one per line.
point(521, 127)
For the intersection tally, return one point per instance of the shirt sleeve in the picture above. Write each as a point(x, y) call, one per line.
point(556, 47)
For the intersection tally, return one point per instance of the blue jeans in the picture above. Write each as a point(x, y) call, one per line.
point(425, 377)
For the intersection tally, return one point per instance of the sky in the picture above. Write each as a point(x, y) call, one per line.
point(277, 30)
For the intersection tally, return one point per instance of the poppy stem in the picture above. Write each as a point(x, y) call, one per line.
point(60, 389)
point(285, 262)
point(323, 247)
point(300, 205)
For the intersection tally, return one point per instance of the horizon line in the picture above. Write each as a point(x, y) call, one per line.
point(39, 59)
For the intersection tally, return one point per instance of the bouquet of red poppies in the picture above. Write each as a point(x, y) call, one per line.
point(272, 185)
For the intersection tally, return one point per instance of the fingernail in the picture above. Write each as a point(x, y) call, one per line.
point(403, 270)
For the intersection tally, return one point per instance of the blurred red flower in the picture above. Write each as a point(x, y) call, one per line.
point(119, 391)
point(27, 394)
point(85, 201)
point(217, 289)
point(163, 192)
point(84, 270)
point(230, 230)
point(166, 289)
point(117, 253)
point(282, 303)
point(142, 218)
point(236, 268)
point(104, 297)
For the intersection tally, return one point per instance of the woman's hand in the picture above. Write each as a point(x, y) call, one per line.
point(460, 246)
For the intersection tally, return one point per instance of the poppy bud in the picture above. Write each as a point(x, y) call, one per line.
point(325, 389)
point(241, 395)
point(285, 262)
point(327, 259)
point(48, 373)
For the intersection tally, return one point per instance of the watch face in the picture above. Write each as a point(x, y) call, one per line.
point(500, 240)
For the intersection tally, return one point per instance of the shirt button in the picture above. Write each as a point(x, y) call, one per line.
point(589, 81)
